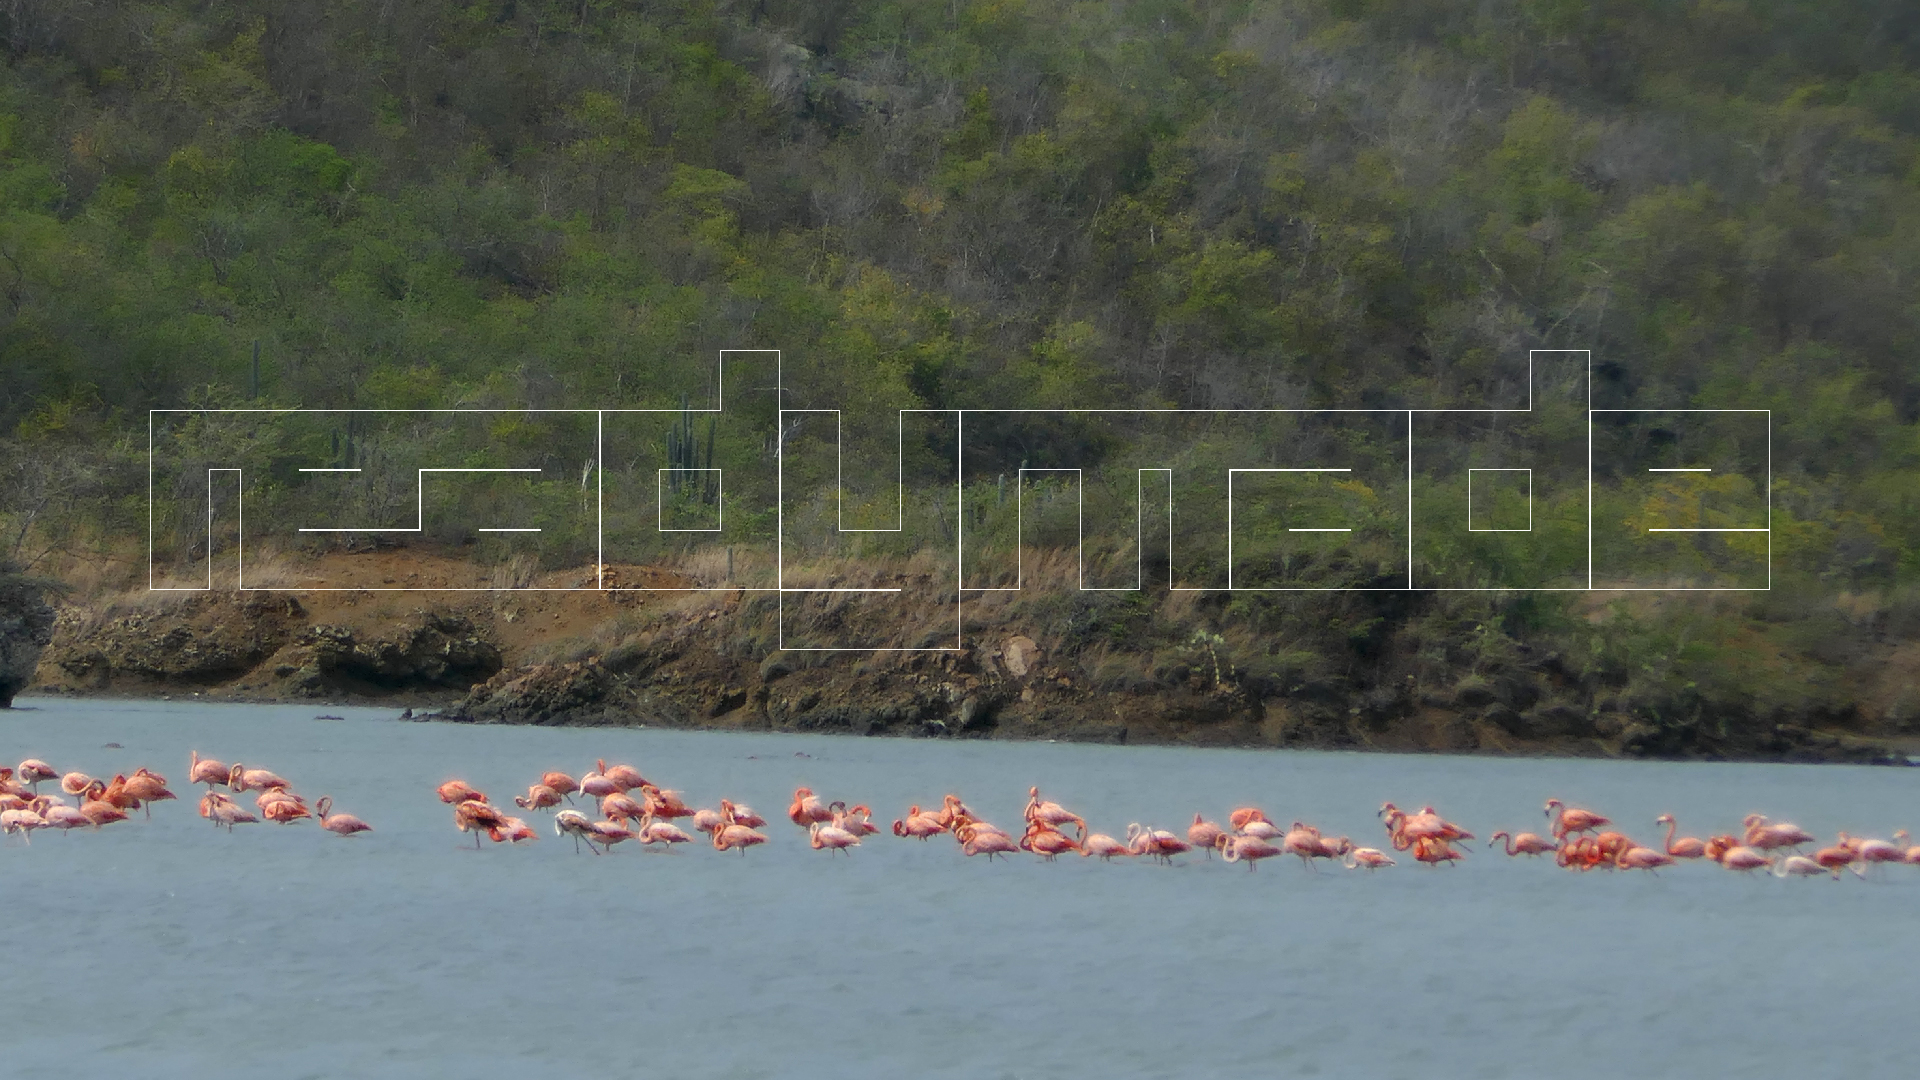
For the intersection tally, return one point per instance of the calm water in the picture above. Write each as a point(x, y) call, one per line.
point(170, 948)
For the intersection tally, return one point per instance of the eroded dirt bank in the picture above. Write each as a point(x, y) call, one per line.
point(708, 659)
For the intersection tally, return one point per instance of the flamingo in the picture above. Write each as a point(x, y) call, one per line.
point(706, 820)
point(1202, 834)
point(1642, 858)
point(241, 778)
point(976, 839)
point(75, 783)
point(662, 832)
point(859, 821)
point(1367, 858)
point(561, 784)
point(1250, 849)
point(63, 817)
point(1797, 866)
point(598, 785)
point(1435, 852)
point(806, 809)
point(538, 797)
point(116, 795)
point(664, 804)
point(742, 814)
point(736, 837)
point(1687, 847)
point(1873, 851)
point(32, 771)
point(1743, 858)
point(1240, 817)
point(517, 831)
point(454, 792)
point(1524, 844)
point(620, 806)
point(148, 787)
point(833, 838)
point(338, 824)
point(97, 809)
point(608, 833)
point(1572, 819)
point(1158, 843)
point(285, 811)
point(1912, 856)
point(477, 817)
point(205, 771)
point(1837, 857)
point(918, 825)
point(1046, 841)
point(218, 809)
point(1304, 841)
point(1104, 846)
point(22, 822)
point(1052, 813)
point(1768, 836)
point(575, 824)
point(626, 777)
point(952, 809)
point(1265, 830)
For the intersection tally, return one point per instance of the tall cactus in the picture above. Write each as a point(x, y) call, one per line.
point(684, 455)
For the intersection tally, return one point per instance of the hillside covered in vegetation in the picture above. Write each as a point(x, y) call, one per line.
point(967, 204)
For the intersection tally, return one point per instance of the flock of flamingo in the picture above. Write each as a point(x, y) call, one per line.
point(628, 807)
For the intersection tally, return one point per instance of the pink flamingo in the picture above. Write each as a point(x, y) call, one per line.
point(338, 824)
point(241, 778)
point(1524, 844)
point(538, 797)
point(1798, 866)
point(807, 809)
point(22, 822)
point(662, 832)
point(625, 776)
point(599, 785)
point(1642, 858)
point(1912, 856)
point(736, 838)
point(918, 825)
point(1836, 858)
point(216, 808)
point(477, 817)
point(76, 783)
point(1046, 841)
point(832, 838)
point(1572, 819)
point(63, 817)
point(1744, 859)
point(1687, 847)
point(976, 840)
point(1202, 834)
point(1240, 818)
point(1248, 849)
point(1052, 813)
point(560, 783)
point(454, 792)
point(859, 821)
point(1768, 836)
point(1104, 846)
point(1367, 858)
point(32, 771)
point(608, 833)
point(517, 831)
point(205, 771)
point(706, 820)
point(1873, 851)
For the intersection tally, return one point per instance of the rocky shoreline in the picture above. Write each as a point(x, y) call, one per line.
point(448, 662)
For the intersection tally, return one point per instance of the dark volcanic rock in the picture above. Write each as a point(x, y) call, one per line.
point(26, 626)
point(433, 650)
point(198, 641)
point(578, 693)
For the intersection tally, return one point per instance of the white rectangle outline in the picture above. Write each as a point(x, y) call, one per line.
point(660, 500)
point(1529, 527)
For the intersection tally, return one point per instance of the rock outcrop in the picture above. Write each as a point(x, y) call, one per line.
point(26, 626)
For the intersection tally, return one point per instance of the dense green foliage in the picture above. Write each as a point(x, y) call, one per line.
point(1369, 203)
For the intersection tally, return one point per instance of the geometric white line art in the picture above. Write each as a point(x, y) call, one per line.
point(1717, 492)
